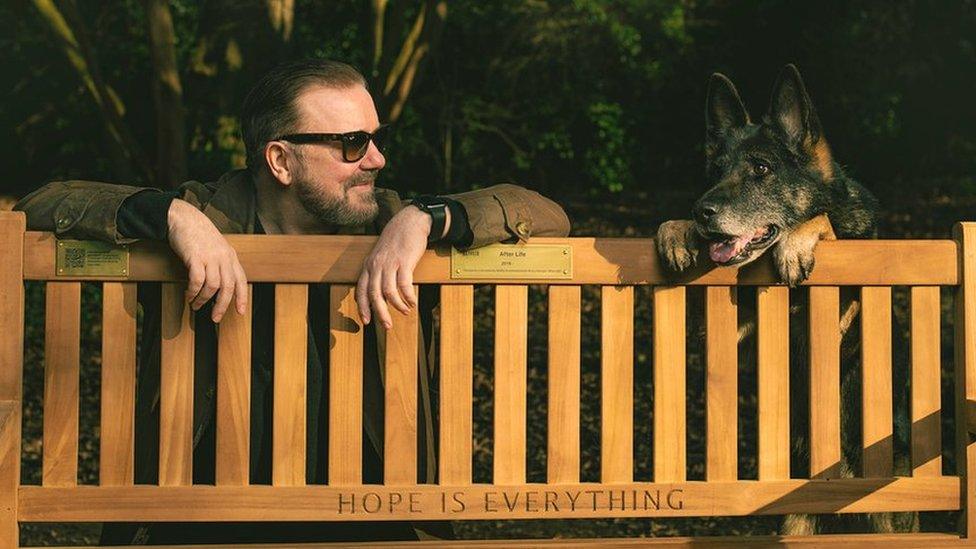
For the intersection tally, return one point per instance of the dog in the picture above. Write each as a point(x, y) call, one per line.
point(775, 186)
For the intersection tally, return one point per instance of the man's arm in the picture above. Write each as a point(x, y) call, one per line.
point(122, 214)
point(501, 213)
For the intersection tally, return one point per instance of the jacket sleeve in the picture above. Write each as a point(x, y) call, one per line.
point(86, 209)
point(505, 212)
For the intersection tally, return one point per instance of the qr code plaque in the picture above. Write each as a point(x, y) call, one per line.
point(88, 258)
point(74, 258)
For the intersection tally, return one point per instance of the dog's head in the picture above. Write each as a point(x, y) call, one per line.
point(765, 178)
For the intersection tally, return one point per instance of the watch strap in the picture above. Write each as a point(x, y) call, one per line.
point(436, 207)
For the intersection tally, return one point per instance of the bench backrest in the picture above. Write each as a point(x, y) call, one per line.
point(617, 266)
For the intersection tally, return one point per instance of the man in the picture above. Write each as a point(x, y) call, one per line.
point(314, 144)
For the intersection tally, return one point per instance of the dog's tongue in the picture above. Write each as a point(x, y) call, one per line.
point(722, 252)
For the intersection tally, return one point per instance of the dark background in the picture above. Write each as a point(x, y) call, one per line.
point(591, 102)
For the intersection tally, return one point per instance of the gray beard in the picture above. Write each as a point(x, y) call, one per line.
point(331, 210)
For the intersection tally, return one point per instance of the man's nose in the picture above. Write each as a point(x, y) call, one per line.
point(373, 159)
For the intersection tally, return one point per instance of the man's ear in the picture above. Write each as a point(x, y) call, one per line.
point(723, 107)
point(792, 112)
point(280, 162)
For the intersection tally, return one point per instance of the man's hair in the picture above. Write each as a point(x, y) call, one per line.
point(269, 108)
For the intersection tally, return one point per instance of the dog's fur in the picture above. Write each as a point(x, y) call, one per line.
point(776, 178)
point(775, 186)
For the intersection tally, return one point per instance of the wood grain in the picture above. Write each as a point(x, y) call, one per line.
point(721, 383)
point(62, 343)
point(176, 388)
point(825, 411)
point(234, 396)
point(290, 384)
point(669, 384)
point(876, 395)
point(117, 435)
point(563, 458)
point(511, 341)
point(400, 428)
point(456, 384)
point(604, 261)
point(965, 368)
point(926, 407)
point(318, 502)
point(12, 225)
point(345, 388)
point(617, 384)
point(774, 383)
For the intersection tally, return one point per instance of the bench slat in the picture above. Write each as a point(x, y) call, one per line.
point(834, 541)
point(290, 372)
point(456, 383)
point(669, 383)
point(825, 412)
point(773, 371)
point(617, 384)
point(307, 259)
point(876, 397)
point(345, 388)
point(234, 396)
point(176, 388)
point(721, 383)
point(117, 435)
point(926, 407)
point(511, 335)
point(61, 378)
point(400, 427)
point(563, 458)
point(485, 501)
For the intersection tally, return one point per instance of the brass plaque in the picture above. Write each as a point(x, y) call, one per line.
point(92, 258)
point(515, 261)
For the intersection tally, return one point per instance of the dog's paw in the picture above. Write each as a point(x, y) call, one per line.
point(677, 245)
point(794, 258)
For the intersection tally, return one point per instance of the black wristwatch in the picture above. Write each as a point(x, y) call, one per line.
point(436, 207)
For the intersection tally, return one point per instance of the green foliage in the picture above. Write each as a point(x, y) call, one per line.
point(573, 97)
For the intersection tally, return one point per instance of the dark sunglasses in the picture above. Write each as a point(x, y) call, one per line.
point(354, 144)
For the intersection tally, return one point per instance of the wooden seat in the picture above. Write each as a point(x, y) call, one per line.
point(618, 267)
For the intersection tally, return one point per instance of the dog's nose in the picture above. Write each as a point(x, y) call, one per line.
point(705, 211)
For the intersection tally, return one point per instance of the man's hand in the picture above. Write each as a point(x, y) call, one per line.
point(212, 263)
point(387, 276)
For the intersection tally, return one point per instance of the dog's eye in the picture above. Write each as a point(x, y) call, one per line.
point(760, 169)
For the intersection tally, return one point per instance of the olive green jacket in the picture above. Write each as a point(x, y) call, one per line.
point(87, 210)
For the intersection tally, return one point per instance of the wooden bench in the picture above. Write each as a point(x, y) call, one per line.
point(616, 265)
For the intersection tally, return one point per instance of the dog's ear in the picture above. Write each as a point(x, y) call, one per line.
point(791, 111)
point(723, 107)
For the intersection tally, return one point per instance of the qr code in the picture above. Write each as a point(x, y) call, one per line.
point(74, 258)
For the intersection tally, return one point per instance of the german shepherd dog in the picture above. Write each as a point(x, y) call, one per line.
point(774, 185)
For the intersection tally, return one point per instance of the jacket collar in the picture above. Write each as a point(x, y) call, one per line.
point(233, 206)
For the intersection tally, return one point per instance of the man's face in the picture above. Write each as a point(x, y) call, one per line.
point(334, 191)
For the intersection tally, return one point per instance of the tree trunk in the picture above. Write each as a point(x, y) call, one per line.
point(128, 160)
point(167, 97)
point(397, 71)
point(281, 15)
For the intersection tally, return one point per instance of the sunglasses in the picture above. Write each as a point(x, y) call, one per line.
point(354, 144)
